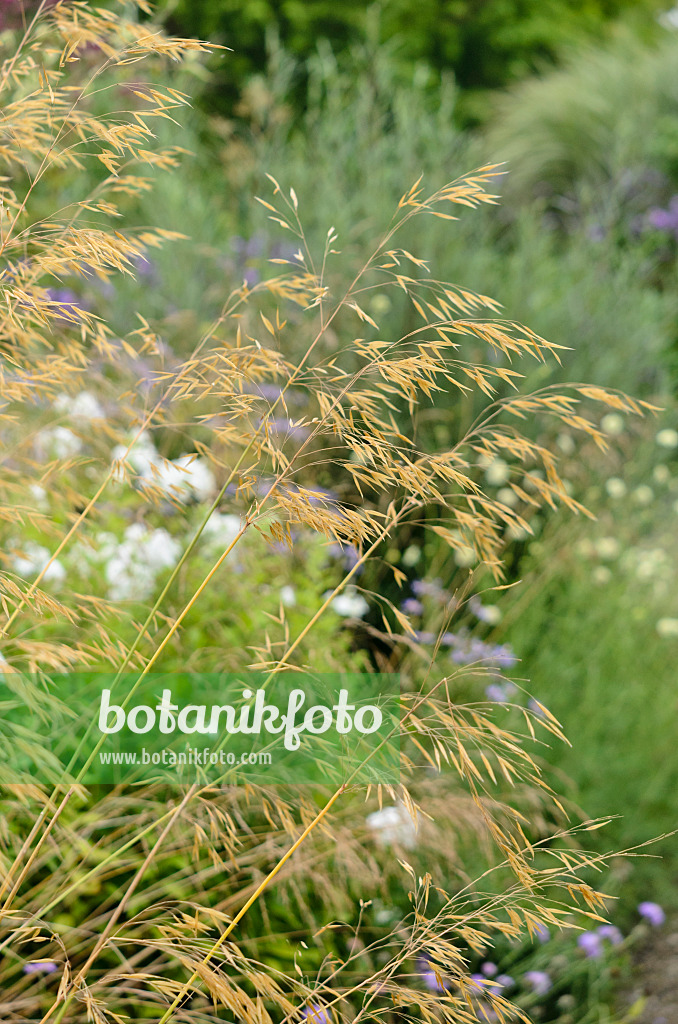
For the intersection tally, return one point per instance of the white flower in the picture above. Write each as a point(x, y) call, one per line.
point(465, 556)
point(132, 567)
point(491, 614)
point(497, 473)
point(83, 406)
point(615, 487)
point(566, 444)
point(643, 495)
point(59, 442)
point(650, 563)
point(393, 825)
point(288, 596)
point(607, 547)
point(141, 457)
point(221, 529)
point(411, 555)
point(601, 575)
point(32, 558)
point(380, 304)
point(668, 627)
point(661, 474)
point(350, 604)
point(182, 478)
point(39, 493)
point(667, 438)
point(507, 496)
point(613, 423)
point(200, 477)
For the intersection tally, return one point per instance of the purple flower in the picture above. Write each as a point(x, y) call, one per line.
point(424, 637)
point(503, 656)
point(591, 943)
point(144, 267)
point(251, 276)
point(271, 392)
point(535, 709)
point(448, 639)
point(347, 553)
point(505, 980)
point(248, 248)
point(412, 606)
point(665, 220)
point(428, 588)
point(66, 301)
point(428, 976)
point(480, 981)
point(283, 425)
point(315, 1014)
point(596, 233)
point(652, 912)
point(40, 967)
point(539, 982)
point(541, 932)
point(611, 933)
point(283, 251)
point(432, 983)
point(489, 969)
point(496, 693)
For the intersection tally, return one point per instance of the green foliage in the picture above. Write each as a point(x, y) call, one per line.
point(486, 46)
point(595, 626)
point(576, 132)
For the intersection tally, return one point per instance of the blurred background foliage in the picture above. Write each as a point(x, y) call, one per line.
point(486, 45)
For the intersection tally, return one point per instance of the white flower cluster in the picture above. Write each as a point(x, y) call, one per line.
point(393, 825)
point(350, 604)
point(61, 442)
point(221, 529)
point(58, 443)
point(31, 558)
point(83, 406)
point(184, 478)
point(132, 564)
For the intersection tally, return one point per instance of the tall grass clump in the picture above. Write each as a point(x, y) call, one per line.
point(213, 510)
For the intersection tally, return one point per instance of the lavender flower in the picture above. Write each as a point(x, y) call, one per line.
point(505, 980)
point(283, 425)
point(144, 267)
point(665, 220)
point(489, 969)
point(40, 967)
point(411, 606)
point(535, 708)
point(315, 1014)
point(611, 933)
point(652, 912)
point(347, 553)
point(591, 943)
point(425, 637)
point(541, 932)
point(502, 656)
point(539, 982)
point(428, 588)
point(433, 982)
point(68, 304)
point(495, 692)
point(251, 276)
